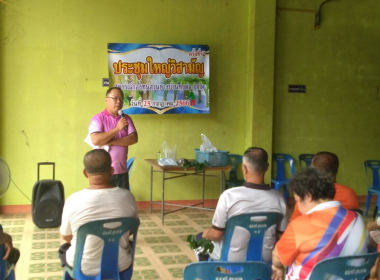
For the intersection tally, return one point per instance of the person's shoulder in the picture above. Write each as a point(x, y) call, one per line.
point(122, 192)
point(99, 116)
point(76, 195)
point(75, 199)
point(235, 190)
point(301, 221)
point(344, 193)
point(128, 118)
point(343, 188)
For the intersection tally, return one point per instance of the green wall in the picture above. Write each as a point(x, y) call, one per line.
point(340, 66)
point(54, 55)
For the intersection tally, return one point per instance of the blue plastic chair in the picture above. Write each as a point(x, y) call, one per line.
point(306, 158)
point(129, 167)
point(6, 269)
point(227, 270)
point(347, 268)
point(109, 262)
point(374, 165)
point(233, 180)
point(280, 180)
point(256, 223)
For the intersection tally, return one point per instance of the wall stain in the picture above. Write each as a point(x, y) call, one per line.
point(26, 138)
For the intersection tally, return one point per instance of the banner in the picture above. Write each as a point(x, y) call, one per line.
point(161, 79)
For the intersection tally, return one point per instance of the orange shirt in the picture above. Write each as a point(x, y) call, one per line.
point(345, 195)
point(327, 231)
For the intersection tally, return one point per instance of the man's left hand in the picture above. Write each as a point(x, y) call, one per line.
point(277, 273)
point(204, 235)
point(8, 249)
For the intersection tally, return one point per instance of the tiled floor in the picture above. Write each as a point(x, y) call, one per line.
point(161, 252)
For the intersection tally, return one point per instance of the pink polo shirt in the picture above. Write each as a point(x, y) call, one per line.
point(104, 122)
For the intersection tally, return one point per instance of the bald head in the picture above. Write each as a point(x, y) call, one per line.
point(327, 162)
point(256, 160)
point(97, 162)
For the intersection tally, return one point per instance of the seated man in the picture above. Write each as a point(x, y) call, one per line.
point(329, 164)
point(254, 196)
point(11, 255)
point(99, 201)
point(324, 230)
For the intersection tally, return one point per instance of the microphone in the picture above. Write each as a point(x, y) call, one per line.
point(121, 114)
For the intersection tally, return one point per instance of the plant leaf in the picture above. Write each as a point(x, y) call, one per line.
point(193, 244)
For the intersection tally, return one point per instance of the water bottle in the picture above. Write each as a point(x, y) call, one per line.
point(378, 218)
point(158, 155)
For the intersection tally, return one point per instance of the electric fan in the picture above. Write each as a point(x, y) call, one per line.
point(5, 176)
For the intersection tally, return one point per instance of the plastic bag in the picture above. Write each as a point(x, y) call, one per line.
point(167, 161)
point(168, 152)
point(207, 146)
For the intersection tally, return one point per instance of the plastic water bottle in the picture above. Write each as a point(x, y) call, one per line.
point(378, 218)
point(158, 155)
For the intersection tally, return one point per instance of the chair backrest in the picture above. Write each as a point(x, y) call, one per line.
point(306, 158)
point(374, 165)
point(109, 261)
point(256, 224)
point(130, 165)
point(227, 270)
point(234, 160)
point(280, 160)
point(347, 268)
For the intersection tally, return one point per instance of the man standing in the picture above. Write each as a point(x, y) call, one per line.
point(329, 164)
point(254, 196)
point(108, 128)
point(98, 202)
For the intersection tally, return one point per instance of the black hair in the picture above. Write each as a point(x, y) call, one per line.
point(326, 161)
point(112, 88)
point(314, 182)
point(257, 158)
point(97, 161)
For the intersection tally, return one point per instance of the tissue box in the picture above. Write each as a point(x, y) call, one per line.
point(213, 158)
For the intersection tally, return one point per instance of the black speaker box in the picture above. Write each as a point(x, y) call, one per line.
point(47, 202)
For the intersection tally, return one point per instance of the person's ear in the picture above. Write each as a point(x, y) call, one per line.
point(266, 169)
point(85, 173)
point(244, 169)
point(308, 198)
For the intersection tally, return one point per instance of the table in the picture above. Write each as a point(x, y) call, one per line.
point(180, 171)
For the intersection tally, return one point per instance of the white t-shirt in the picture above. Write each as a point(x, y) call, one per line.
point(250, 198)
point(91, 205)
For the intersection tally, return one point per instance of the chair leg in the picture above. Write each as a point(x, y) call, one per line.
point(378, 206)
point(368, 202)
point(66, 276)
point(286, 193)
point(277, 186)
point(11, 275)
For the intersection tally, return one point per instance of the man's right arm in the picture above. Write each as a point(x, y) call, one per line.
point(102, 138)
point(213, 234)
point(65, 229)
